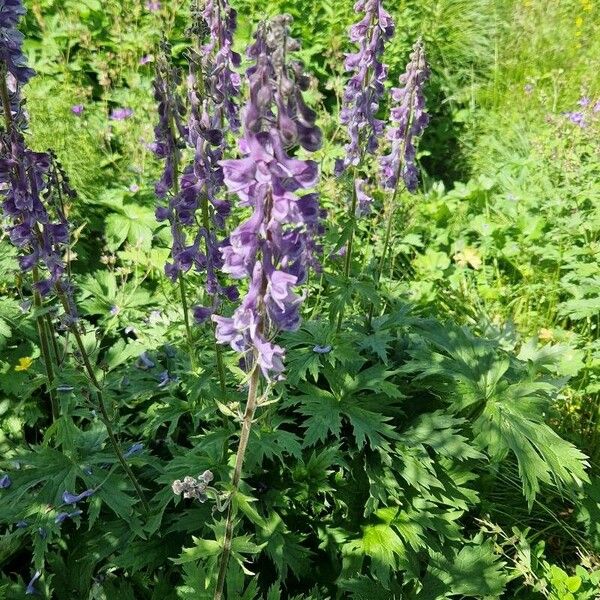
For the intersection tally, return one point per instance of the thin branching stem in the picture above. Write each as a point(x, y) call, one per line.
point(89, 369)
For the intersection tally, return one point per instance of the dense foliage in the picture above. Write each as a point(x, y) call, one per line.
point(302, 306)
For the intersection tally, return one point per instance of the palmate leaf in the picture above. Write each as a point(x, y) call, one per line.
point(325, 413)
point(473, 570)
point(542, 455)
point(506, 403)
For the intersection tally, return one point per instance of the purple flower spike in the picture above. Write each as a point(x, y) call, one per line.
point(274, 246)
point(409, 120)
point(366, 86)
point(212, 90)
point(11, 41)
point(121, 114)
point(69, 498)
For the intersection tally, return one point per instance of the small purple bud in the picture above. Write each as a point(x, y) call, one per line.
point(164, 379)
point(77, 110)
point(133, 450)
point(146, 59)
point(5, 482)
point(322, 349)
point(120, 114)
point(153, 5)
point(62, 516)
point(134, 188)
point(201, 314)
point(69, 498)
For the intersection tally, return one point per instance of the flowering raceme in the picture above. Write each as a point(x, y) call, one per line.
point(212, 89)
point(409, 120)
point(272, 248)
point(365, 88)
point(31, 183)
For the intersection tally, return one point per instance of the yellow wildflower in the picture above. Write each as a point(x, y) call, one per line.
point(24, 363)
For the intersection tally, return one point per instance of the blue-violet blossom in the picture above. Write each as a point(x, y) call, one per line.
point(408, 121)
point(366, 86)
point(271, 248)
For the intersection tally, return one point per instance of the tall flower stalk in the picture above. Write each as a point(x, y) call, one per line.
point(273, 248)
point(361, 101)
point(212, 90)
point(32, 190)
point(408, 119)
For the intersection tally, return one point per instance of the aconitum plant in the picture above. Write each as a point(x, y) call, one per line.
point(366, 86)
point(212, 89)
point(408, 121)
point(272, 247)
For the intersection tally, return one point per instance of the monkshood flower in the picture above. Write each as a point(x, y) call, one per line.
point(11, 41)
point(219, 61)
point(63, 516)
point(121, 114)
point(408, 121)
point(30, 590)
point(364, 201)
point(69, 498)
point(296, 121)
point(170, 131)
point(365, 88)
point(133, 450)
point(29, 184)
point(271, 248)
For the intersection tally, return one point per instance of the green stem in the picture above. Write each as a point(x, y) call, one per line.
point(218, 349)
point(53, 343)
point(45, 348)
point(237, 476)
point(186, 320)
point(386, 244)
point(349, 246)
point(101, 405)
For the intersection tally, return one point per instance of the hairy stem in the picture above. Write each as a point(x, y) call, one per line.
point(237, 476)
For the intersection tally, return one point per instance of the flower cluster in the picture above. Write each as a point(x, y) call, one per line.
point(212, 89)
point(222, 82)
point(365, 88)
point(11, 41)
point(273, 246)
point(409, 120)
point(32, 184)
point(192, 487)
